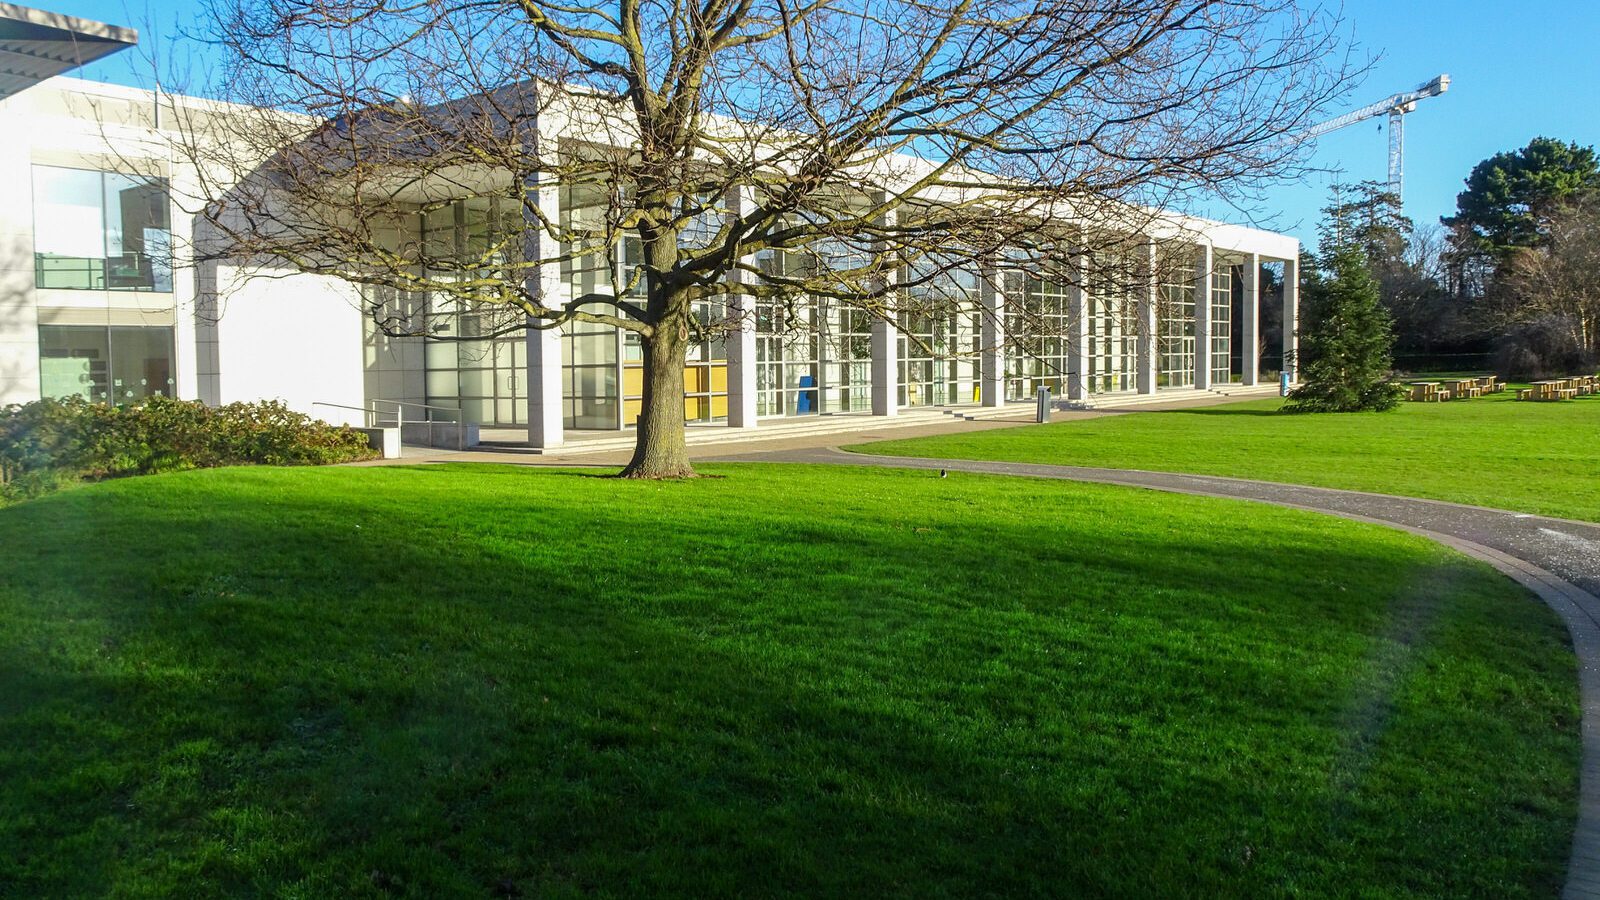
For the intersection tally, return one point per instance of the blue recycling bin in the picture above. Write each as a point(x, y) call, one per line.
point(1283, 384)
point(806, 400)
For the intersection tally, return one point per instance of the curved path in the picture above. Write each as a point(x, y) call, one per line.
point(1558, 559)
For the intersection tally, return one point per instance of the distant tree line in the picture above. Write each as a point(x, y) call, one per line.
point(1512, 280)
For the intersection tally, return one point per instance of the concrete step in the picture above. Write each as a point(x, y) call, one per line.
point(1170, 395)
point(771, 429)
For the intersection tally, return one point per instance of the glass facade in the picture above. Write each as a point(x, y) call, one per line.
point(846, 359)
point(788, 358)
point(939, 339)
point(813, 353)
point(1038, 333)
point(101, 231)
point(105, 365)
point(1113, 327)
point(1175, 327)
point(478, 361)
point(481, 372)
point(1221, 325)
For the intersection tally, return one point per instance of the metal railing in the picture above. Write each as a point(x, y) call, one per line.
point(371, 417)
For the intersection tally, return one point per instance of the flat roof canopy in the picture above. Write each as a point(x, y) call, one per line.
point(35, 45)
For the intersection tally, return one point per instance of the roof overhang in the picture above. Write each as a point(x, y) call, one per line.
point(35, 45)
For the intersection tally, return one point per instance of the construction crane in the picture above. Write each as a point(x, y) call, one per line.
point(1395, 108)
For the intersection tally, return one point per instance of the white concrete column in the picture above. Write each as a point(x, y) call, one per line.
point(1291, 318)
point(1078, 330)
point(885, 354)
point(1250, 323)
point(992, 337)
point(742, 339)
point(885, 369)
point(546, 415)
point(1147, 307)
point(185, 338)
point(1204, 261)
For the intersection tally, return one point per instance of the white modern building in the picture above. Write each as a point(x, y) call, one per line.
point(97, 299)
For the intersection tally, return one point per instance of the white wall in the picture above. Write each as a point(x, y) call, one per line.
point(291, 337)
point(19, 314)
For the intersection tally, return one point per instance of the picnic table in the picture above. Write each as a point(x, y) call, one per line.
point(1428, 392)
point(1460, 388)
point(1550, 389)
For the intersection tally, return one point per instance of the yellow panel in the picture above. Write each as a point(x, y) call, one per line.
point(694, 379)
point(633, 381)
point(719, 379)
point(631, 410)
point(694, 408)
point(719, 407)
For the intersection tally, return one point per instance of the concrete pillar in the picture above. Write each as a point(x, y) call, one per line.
point(1078, 330)
point(885, 352)
point(742, 337)
point(1250, 323)
point(992, 360)
point(1291, 318)
point(1204, 261)
point(1147, 307)
point(546, 415)
point(885, 368)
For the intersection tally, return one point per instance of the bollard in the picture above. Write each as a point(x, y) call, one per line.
point(1042, 414)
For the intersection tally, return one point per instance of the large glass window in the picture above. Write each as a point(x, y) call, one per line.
point(1221, 326)
point(1176, 323)
point(1113, 326)
point(105, 365)
point(1038, 330)
point(101, 231)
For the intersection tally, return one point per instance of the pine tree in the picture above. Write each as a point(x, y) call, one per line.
point(1347, 338)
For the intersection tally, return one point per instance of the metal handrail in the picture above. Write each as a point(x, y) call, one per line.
point(400, 405)
point(366, 422)
point(370, 415)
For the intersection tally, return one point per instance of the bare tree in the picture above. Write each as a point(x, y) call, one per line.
point(679, 162)
point(1557, 286)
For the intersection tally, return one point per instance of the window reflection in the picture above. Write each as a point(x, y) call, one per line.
point(101, 231)
point(105, 365)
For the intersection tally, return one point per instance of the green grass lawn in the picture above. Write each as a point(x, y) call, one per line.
point(467, 681)
point(1492, 451)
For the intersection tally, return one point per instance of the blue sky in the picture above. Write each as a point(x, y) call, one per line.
point(1520, 70)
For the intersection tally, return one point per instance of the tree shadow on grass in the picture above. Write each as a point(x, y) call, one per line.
point(238, 698)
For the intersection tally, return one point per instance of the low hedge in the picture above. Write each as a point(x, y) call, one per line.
point(50, 442)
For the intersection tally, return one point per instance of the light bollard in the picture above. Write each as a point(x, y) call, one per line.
point(1042, 413)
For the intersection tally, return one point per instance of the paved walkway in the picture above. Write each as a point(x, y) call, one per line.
point(1558, 559)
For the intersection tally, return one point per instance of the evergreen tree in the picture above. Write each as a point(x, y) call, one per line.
point(1347, 337)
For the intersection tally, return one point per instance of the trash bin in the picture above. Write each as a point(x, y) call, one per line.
point(1042, 414)
point(1283, 384)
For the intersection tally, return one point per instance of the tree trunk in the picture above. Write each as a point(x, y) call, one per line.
point(659, 450)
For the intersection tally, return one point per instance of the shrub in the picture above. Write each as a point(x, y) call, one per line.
point(50, 442)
